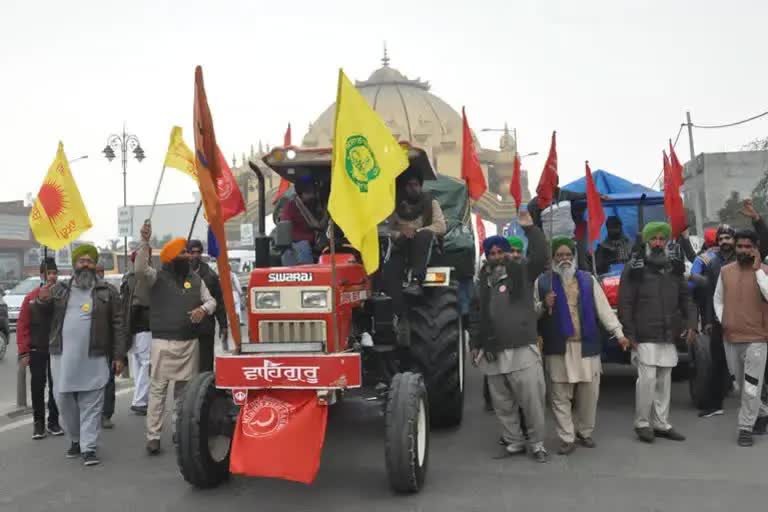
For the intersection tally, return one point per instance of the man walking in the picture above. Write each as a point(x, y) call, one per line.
point(740, 305)
point(207, 328)
point(654, 309)
point(135, 298)
point(32, 331)
point(87, 332)
point(573, 303)
point(178, 301)
point(503, 338)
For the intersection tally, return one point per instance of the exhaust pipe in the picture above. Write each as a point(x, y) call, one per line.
point(261, 240)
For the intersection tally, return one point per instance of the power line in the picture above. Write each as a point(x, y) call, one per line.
point(728, 125)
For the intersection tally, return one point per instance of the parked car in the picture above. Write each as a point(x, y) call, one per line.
point(15, 296)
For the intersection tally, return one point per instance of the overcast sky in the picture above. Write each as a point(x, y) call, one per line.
point(614, 79)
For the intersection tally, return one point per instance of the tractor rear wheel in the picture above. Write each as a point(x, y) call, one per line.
point(437, 349)
point(406, 432)
point(204, 430)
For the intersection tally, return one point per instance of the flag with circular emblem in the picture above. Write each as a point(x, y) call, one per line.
point(58, 215)
point(366, 161)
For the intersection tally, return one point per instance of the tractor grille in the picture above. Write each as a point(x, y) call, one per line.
point(296, 331)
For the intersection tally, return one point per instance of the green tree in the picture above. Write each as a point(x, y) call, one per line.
point(759, 144)
point(730, 213)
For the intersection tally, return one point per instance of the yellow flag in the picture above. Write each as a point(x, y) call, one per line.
point(179, 156)
point(366, 161)
point(58, 216)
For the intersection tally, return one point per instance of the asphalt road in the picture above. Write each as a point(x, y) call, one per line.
point(8, 376)
point(706, 473)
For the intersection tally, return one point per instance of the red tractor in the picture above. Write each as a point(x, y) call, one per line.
point(327, 327)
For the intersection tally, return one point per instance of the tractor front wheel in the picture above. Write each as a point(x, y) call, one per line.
point(204, 430)
point(406, 432)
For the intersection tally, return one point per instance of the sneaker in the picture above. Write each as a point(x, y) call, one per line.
point(38, 431)
point(761, 426)
point(55, 429)
point(745, 438)
point(153, 446)
point(74, 450)
point(566, 448)
point(90, 459)
point(645, 434)
point(709, 413)
point(540, 455)
point(515, 450)
point(106, 423)
point(139, 410)
point(671, 434)
point(586, 441)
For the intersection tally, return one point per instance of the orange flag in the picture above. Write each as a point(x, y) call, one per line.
point(208, 173)
point(594, 208)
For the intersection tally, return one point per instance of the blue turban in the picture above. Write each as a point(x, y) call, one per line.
point(496, 241)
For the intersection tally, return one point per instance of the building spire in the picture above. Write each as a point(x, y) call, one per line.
point(385, 59)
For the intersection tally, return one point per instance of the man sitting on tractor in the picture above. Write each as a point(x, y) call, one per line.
point(414, 225)
point(308, 218)
point(615, 249)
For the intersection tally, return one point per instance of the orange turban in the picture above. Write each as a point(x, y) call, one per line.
point(172, 249)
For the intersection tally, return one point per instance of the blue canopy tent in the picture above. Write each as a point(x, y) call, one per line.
point(623, 200)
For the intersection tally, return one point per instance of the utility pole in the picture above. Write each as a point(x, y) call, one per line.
point(697, 207)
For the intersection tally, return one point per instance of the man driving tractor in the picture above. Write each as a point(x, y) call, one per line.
point(309, 220)
point(414, 225)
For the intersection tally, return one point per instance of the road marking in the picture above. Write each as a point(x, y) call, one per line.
point(28, 421)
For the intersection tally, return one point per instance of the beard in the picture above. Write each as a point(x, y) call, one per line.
point(565, 270)
point(84, 278)
point(745, 259)
point(726, 249)
point(656, 256)
point(181, 267)
point(193, 263)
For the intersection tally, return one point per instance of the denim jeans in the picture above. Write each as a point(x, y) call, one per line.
point(299, 254)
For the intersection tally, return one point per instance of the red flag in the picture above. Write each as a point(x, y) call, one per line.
point(480, 231)
point(471, 171)
point(279, 434)
point(548, 180)
point(594, 208)
point(515, 188)
point(673, 202)
point(230, 198)
point(208, 164)
point(284, 183)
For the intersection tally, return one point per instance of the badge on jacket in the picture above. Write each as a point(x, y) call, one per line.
point(502, 288)
point(187, 285)
point(86, 307)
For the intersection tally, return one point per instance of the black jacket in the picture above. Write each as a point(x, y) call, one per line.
point(208, 326)
point(654, 304)
point(521, 309)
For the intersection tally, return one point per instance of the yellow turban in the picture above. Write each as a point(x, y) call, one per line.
point(172, 249)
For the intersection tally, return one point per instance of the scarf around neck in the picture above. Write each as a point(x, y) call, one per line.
point(563, 318)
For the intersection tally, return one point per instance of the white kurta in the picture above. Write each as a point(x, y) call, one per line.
point(572, 367)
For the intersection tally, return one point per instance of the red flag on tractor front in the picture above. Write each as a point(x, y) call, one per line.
point(279, 434)
point(548, 180)
point(673, 203)
point(209, 171)
point(594, 208)
point(515, 188)
point(471, 171)
point(284, 183)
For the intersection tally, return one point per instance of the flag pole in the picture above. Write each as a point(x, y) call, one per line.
point(157, 191)
point(334, 323)
point(194, 220)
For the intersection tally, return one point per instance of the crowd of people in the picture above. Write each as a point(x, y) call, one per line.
point(76, 335)
point(535, 328)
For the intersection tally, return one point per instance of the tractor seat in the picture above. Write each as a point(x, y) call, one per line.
point(345, 254)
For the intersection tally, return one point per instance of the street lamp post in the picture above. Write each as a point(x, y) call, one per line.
point(124, 142)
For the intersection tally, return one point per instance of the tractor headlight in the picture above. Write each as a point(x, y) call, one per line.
point(314, 299)
point(267, 300)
